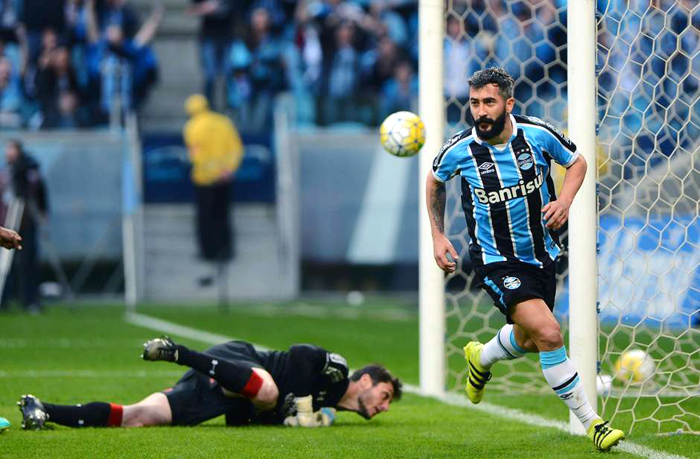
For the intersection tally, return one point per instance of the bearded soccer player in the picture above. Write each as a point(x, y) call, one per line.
point(512, 216)
point(299, 387)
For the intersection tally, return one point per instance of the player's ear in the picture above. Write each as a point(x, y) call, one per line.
point(510, 103)
point(366, 381)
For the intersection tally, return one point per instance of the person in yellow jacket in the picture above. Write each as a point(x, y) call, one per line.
point(215, 151)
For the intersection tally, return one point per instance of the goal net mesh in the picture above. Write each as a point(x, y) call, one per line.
point(648, 168)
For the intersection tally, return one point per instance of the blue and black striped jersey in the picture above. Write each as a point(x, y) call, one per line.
point(504, 188)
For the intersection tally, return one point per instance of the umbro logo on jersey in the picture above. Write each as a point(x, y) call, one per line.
point(485, 168)
point(506, 194)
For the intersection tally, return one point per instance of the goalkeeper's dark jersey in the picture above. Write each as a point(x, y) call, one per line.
point(302, 370)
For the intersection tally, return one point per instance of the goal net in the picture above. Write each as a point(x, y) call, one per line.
point(648, 86)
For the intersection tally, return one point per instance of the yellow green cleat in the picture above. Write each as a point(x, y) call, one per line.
point(478, 375)
point(604, 437)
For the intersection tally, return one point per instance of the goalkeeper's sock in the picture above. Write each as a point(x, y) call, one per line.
point(565, 382)
point(501, 347)
point(233, 376)
point(95, 414)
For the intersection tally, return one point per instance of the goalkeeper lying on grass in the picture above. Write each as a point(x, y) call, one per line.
point(299, 387)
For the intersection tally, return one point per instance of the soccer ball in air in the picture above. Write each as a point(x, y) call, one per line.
point(634, 366)
point(402, 134)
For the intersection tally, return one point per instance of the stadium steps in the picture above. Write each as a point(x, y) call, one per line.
point(172, 268)
point(180, 71)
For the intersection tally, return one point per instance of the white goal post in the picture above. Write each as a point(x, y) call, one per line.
point(431, 19)
point(583, 289)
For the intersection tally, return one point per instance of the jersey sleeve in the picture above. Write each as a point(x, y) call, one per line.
point(309, 364)
point(559, 146)
point(446, 163)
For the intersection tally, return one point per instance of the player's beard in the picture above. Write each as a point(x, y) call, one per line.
point(362, 408)
point(495, 129)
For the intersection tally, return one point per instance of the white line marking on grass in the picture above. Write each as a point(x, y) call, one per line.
point(539, 421)
point(18, 343)
point(89, 374)
point(164, 326)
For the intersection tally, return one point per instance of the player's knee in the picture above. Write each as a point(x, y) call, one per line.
point(266, 398)
point(152, 411)
point(549, 338)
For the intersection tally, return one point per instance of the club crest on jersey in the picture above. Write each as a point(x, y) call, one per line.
point(485, 168)
point(520, 190)
point(525, 160)
point(511, 283)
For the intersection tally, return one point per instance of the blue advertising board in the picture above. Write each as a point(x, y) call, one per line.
point(648, 271)
point(166, 170)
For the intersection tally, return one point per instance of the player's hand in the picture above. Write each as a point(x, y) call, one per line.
point(10, 239)
point(325, 417)
point(306, 417)
point(556, 213)
point(441, 247)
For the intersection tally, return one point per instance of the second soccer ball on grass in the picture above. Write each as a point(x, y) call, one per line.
point(634, 366)
point(402, 134)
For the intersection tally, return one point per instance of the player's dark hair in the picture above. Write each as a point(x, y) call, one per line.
point(379, 374)
point(494, 75)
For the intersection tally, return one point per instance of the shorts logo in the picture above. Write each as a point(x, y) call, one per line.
point(525, 161)
point(485, 168)
point(511, 283)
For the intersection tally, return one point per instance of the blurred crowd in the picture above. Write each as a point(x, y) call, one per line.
point(68, 63)
point(649, 80)
point(356, 60)
point(71, 63)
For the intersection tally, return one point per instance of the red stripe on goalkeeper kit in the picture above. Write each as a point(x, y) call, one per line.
point(252, 387)
point(115, 415)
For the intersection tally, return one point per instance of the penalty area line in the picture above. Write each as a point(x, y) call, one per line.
point(164, 326)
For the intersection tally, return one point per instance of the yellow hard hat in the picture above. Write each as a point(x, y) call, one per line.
point(196, 103)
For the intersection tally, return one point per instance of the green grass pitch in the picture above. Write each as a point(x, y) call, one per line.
point(88, 353)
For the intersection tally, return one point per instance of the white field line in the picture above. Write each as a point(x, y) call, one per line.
point(91, 374)
point(18, 343)
point(163, 326)
point(350, 313)
point(539, 421)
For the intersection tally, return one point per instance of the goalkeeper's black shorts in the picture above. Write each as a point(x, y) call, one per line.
point(196, 397)
point(511, 282)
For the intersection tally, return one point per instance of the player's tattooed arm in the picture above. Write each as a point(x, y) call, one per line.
point(436, 197)
point(437, 204)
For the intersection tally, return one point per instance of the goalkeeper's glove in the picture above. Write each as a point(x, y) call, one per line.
point(306, 417)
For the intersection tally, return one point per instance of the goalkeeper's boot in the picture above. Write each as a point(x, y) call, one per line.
point(162, 348)
point(478, 375)
point(604, 437)
point(4, 425)
point(34, 414)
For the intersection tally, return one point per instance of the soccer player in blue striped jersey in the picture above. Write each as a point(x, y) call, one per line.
point(512, 214)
